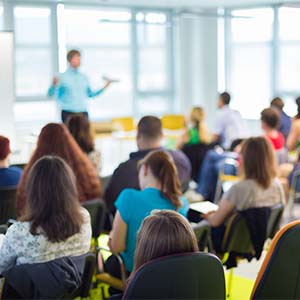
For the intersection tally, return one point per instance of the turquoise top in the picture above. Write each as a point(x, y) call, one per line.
point(73, 91)
point(134, 206)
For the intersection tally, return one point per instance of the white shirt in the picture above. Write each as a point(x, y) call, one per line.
point(230, 126)
point(19, 246)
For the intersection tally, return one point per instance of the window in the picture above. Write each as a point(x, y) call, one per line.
point(1, 17)
point(289, 61)
point(34, 64)
point(250, 60)
point(104, 38)
point(154, 82)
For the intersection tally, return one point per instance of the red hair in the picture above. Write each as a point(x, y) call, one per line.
point(4, 147)
point(55, 139)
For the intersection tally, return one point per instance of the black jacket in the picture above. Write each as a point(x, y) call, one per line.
point(54, 279)
point(126, 175)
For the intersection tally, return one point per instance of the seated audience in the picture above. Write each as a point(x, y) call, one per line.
point(55, 139)
point(163, 233)
point(9, 176)
point(79, 127)
point(285, 121)
point(160, 189)
point(229, 124)
point(197, 132)
point(54, 224)
point(149, 138)
point(209, 172)
point(270, 119)
point(293, 140)
point(258, 188)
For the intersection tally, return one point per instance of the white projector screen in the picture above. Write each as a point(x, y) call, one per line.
point(7, 94)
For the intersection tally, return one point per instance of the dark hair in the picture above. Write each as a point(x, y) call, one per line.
point(4, 147)
point(164, 170)
point(53, 206)
point(79, 127)
point(270, 117)
point(235, 143)
point(225, 97)
point(298, 107)
point(55, 139)
point(72, 53)
point(164, 232)
point(278, 103)
point(258, 159)
point(150, 127)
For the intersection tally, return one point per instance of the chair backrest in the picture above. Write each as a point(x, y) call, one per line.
point(173, 122)
point(294, 194)
point(7, 203)
point(274, 220)
point(123, 124)
point(237, 236)
point(202, 231)
point(279, 276)
point(186, 276)
point(87, 276)
point(97, 210)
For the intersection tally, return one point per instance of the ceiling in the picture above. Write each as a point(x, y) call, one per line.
point(175, 3)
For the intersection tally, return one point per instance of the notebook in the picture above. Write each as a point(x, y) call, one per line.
point(204, 207)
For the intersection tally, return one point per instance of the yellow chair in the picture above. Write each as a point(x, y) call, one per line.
point(123, 124)
point(173, 122)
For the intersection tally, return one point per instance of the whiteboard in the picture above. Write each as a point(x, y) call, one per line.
point(7, 93)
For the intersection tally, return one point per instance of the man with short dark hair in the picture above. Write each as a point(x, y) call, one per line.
point(229, 124)
point(72, 88)
point(149, 138)
point(285, 121)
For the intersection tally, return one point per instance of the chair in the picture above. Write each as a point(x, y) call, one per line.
point(173, 122)
point(62, 278)
point(294, 194)
point(87, 276)
point(184, 276)
point(274, 220)
point(123, 124)
point(279, 276)
point(97, 210)
point(7, 203)
point(228, 174)
point(203, 234)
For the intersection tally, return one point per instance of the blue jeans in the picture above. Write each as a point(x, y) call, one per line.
point(209, 172)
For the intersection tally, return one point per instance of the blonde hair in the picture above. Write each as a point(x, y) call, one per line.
point(197, 118)
point(163, 233)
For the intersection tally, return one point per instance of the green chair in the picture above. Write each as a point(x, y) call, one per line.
point(7, 203)
point(274, 220)
point(279, 276)
point(184, 276)
point(203, 234)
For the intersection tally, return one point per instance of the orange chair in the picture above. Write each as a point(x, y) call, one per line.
point(279, 275)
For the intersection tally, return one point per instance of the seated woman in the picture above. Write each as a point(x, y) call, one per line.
point(197, 132)
point(9, 176)
point(54, 224)
point(79, 127)
point(163, 233)
point(293, 139)
point(160, 189)
point(258, 188)
point(55, 139)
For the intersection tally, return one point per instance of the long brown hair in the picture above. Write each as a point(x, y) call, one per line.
point(298, 107)
point(52, 208)
point(79, 127)
point(164, 232)
point(164, 170)
point(55, 139)
point(258, 159)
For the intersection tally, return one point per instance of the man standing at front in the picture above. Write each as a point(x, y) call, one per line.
point(72, 88)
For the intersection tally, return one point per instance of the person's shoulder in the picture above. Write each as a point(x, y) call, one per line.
point(177, 154)
point(18, 229)
point(127, 198)
point(16, 170)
